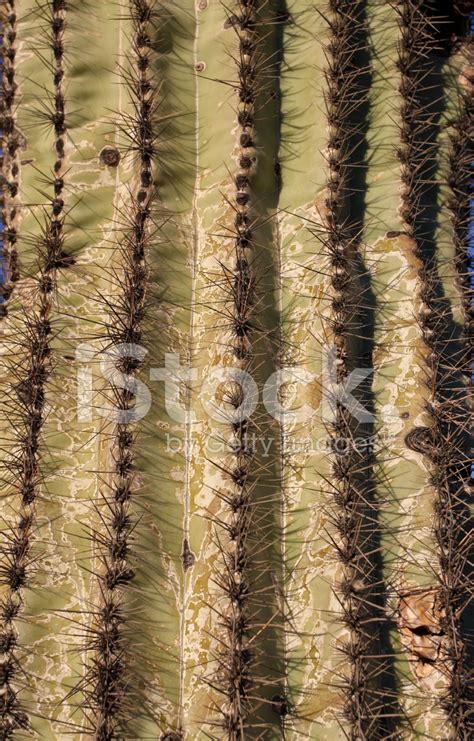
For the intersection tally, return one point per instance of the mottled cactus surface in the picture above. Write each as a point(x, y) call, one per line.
point(234, 370)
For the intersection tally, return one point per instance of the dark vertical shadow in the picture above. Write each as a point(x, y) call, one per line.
point(447, 446)
point(450, 344)
point(265, 566)
point(384, 688)
point(451, 26)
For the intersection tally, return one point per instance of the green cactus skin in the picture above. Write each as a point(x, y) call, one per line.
point(185, 125)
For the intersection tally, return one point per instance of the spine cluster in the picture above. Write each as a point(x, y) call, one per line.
point(235, 662)
point(350, 484)
point(443, 442)
point(32, 373)
point(10, 145)
point(106, 680)
point(56, 257)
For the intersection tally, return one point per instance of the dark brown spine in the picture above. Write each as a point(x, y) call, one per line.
point(443, 442)
point(108, 694)
point(32, 374)
point(10, 145)
point(235, 663)
point(353, 514)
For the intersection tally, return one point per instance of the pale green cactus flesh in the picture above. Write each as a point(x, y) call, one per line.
point(181, 639)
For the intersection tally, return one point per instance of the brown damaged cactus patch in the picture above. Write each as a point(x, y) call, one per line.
point(420, 617)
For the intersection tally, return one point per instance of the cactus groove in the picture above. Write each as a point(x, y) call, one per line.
point(235, 336)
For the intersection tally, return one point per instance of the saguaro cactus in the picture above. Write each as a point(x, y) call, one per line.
point(235, 326)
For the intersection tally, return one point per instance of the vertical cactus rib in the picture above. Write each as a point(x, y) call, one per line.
point(452, 467)
point(57, 257)
point(32, 374)
point(312, 699)
point(109, 699)
point(341, 84)
point(229, 338)
point(236, 659)
point(453, 521)
point(460, 152)
point(443, 442)
point(360, 592)
point(10, 146)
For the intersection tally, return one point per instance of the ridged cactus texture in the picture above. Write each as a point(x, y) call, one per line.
point(196, 193)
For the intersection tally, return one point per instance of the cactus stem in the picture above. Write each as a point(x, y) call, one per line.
point(360, 592)
point(443, 442)
point(234, 666)
point(32, 374)
point(106, 680)
point(10, 144)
